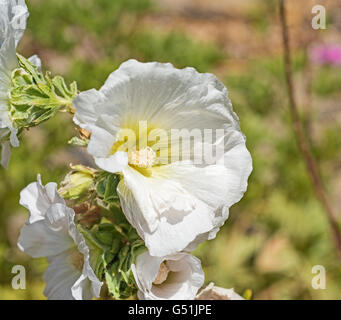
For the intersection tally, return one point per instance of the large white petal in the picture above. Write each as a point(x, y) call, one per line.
point(64, 281)
point(170, 97)
point(46, 233)
point(115, 163)
point(39, 240)
point(166, 216)
point(87, 108)
point(154, 198)
point(173, 237)
point(60, 277)
point(81, 284)
point(160, 94)
point(179, 203)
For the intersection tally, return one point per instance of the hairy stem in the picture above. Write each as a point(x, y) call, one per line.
point(302, 142)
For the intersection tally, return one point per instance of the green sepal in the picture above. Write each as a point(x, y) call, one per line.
point(119, 251)
point(106, 187)
point(118, 274)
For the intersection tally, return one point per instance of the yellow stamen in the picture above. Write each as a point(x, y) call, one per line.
point(143, 158)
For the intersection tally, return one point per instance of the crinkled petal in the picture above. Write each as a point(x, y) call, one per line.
point(180, 203)
point(37, 199)
point(13, 16)
point(183, 281)
point(170, 97)
point(60, 277)
point(87, 111)
point(156, 197)
point(88, 285)
point(39, 240)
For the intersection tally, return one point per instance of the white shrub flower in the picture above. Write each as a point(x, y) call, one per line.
point(173, 201)
point(51, 232)
point(175, 277)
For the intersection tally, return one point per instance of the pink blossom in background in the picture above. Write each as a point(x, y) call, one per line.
point(326, 54)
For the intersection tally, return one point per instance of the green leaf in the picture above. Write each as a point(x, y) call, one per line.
point(111, 188)
point(106, 187)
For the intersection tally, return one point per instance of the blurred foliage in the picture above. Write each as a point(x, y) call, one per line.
point(327, 81)
point(276, 234)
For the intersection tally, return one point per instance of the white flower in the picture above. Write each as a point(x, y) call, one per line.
point(51, 232)
point(175, 277)
point(211, 292)
point(173, 204)
point(13, 16)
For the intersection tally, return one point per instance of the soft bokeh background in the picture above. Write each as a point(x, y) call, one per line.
point(278, 232)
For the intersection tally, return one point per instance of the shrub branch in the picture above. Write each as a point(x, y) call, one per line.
point(300, 135)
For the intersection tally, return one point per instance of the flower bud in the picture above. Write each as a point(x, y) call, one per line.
point(77, 182)
point(34, 97)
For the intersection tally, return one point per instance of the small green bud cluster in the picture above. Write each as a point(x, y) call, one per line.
point(114, 244)
point(35, 98)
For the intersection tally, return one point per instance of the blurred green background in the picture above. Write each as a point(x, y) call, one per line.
point(278, 231)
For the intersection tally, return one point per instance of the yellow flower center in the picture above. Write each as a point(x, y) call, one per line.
point(143, 158)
